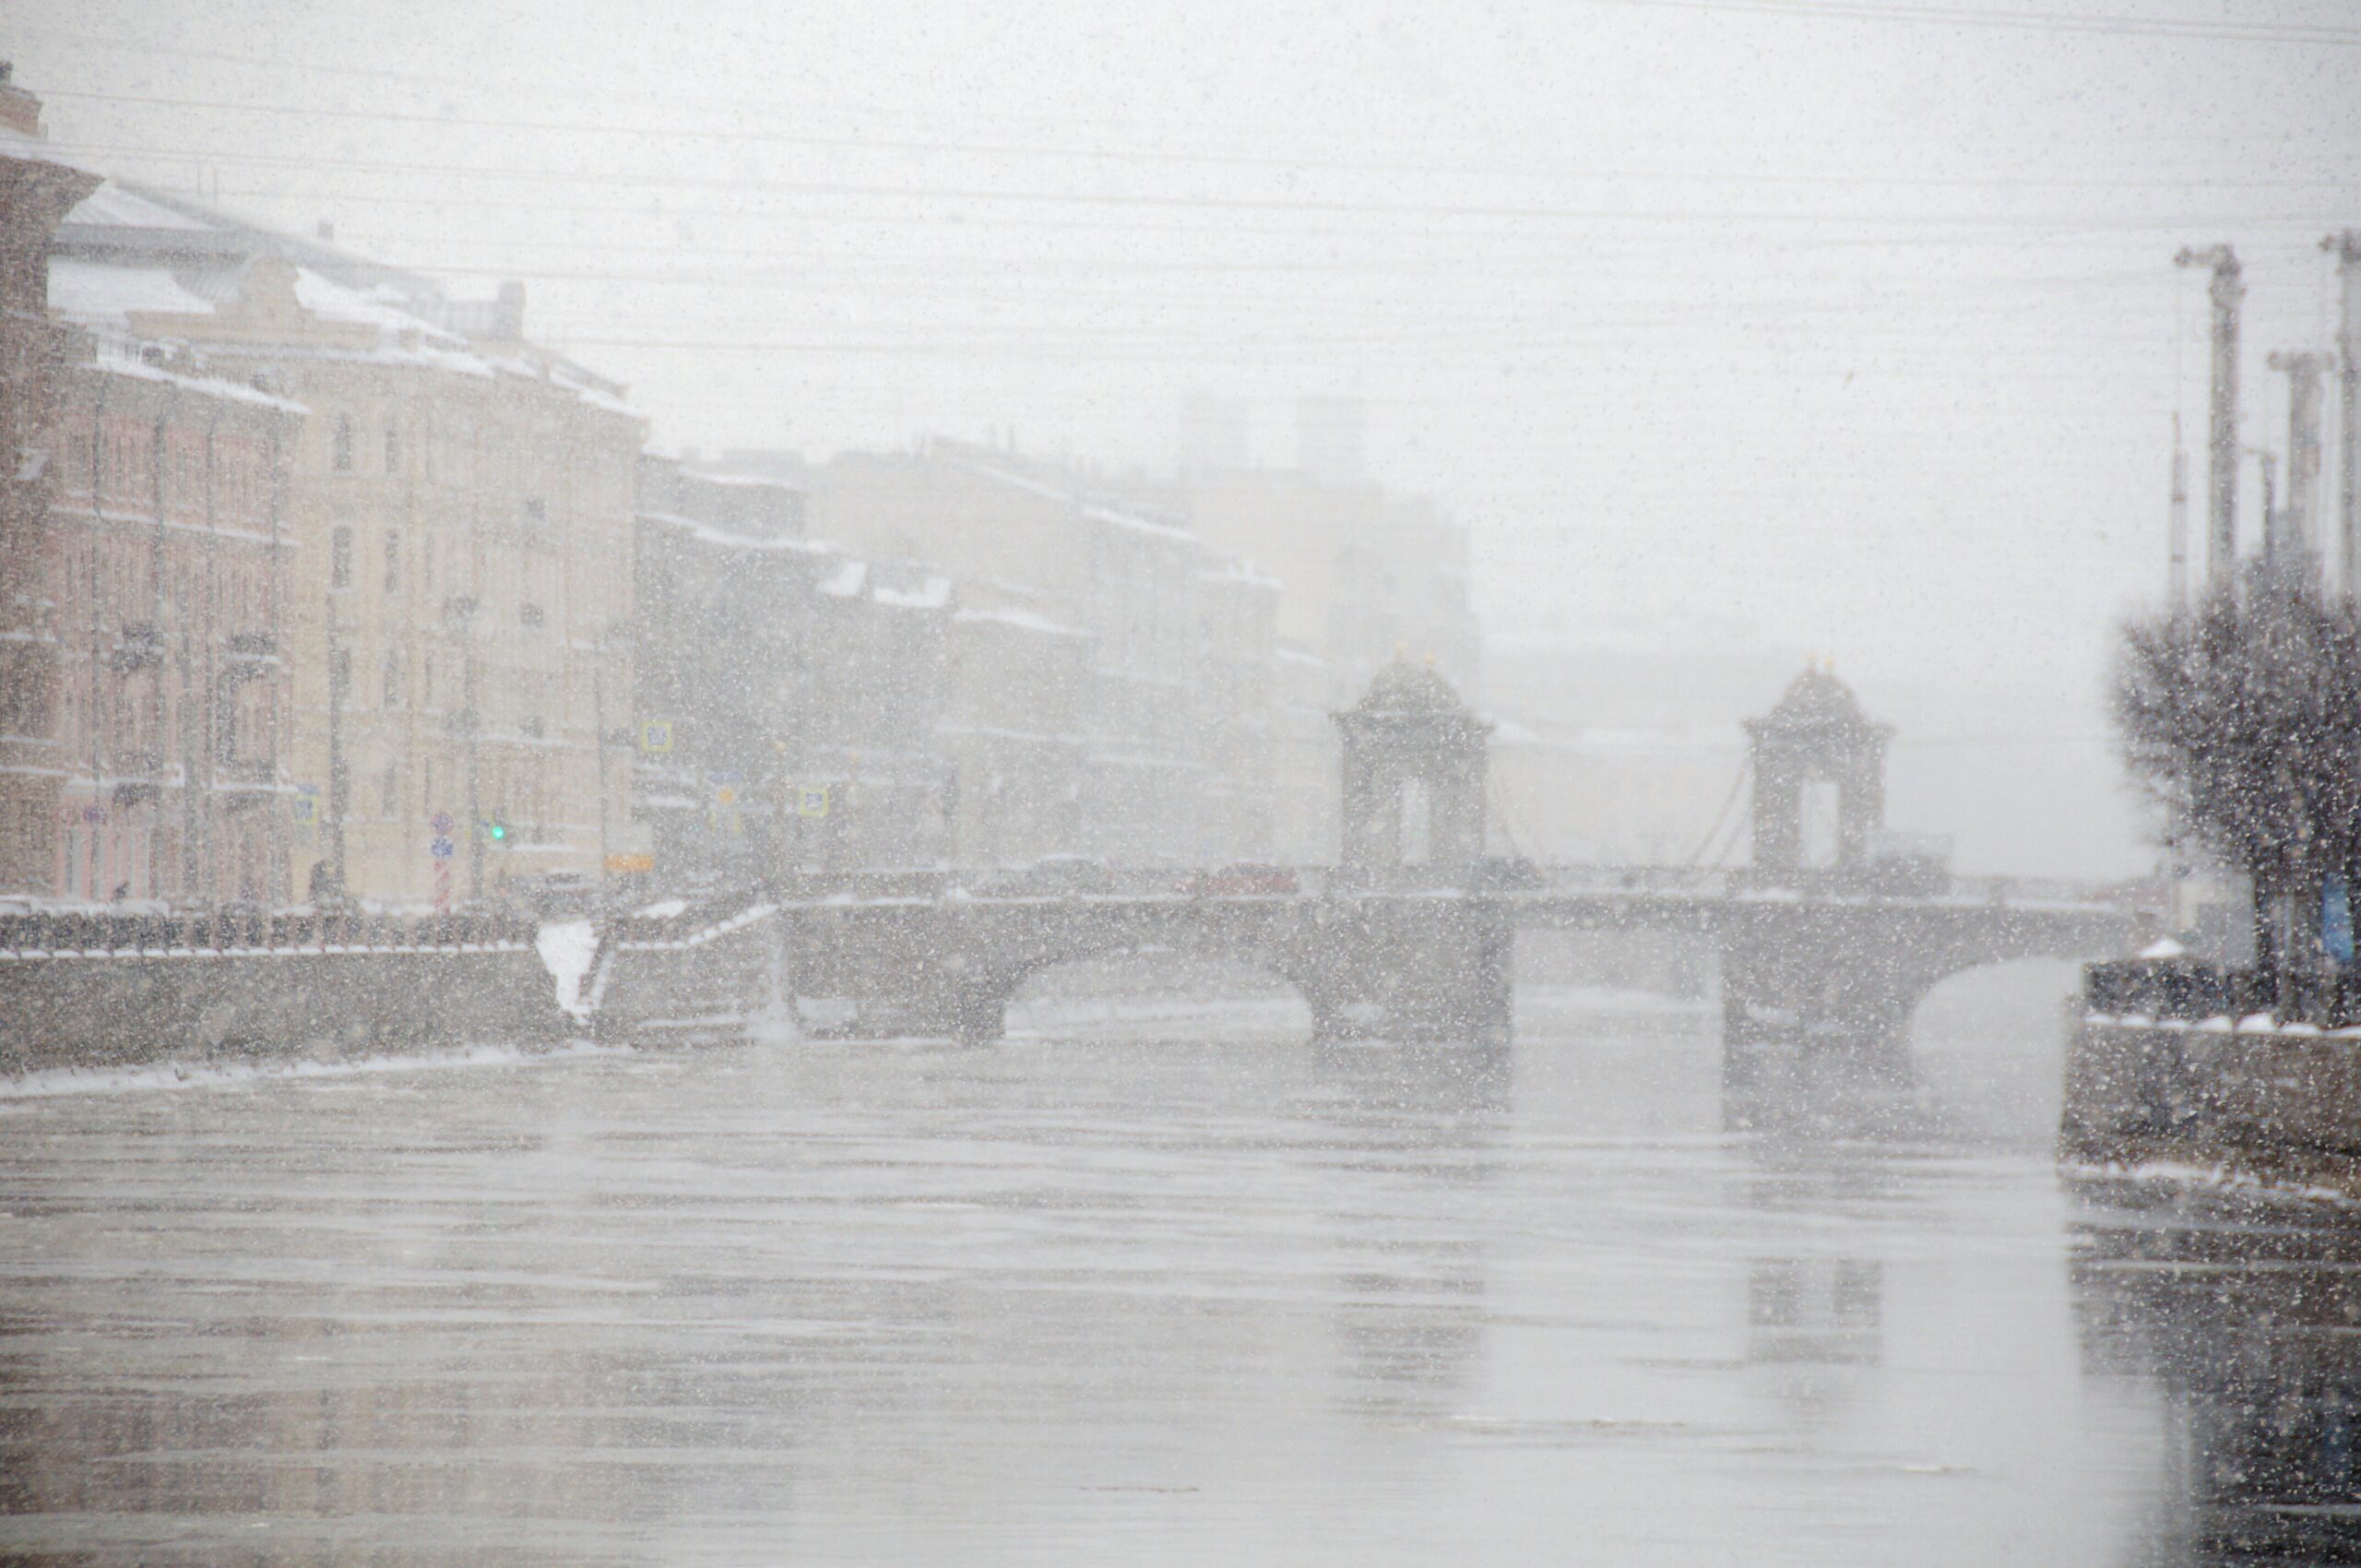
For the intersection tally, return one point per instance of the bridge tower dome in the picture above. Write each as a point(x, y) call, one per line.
point(1819, 768)
point(1414, 763)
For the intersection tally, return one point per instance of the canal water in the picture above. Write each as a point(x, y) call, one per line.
point(1148, 1285)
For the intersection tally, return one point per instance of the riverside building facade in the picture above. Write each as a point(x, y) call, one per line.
point(458, 544)
point(144, 682)
point(1108, 695)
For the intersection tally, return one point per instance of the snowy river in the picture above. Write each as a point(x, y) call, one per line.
point(1136, 1291)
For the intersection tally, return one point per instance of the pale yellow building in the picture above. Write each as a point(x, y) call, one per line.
point(459, 569)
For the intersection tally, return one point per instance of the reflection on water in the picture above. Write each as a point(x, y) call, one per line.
point(2245, 1319)
point(1098, 1296)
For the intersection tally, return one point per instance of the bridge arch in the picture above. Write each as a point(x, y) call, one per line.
point(1848, 988)
point(1131, 991)
point(1987, 1041)
point(978, 993)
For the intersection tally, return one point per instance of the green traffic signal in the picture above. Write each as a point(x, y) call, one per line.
point(495, 831)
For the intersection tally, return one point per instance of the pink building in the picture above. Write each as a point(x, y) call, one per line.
point(162, 562)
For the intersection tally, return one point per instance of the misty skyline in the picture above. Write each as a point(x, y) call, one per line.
point(1854, 324)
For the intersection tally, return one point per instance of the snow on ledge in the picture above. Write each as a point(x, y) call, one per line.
point(567, 949)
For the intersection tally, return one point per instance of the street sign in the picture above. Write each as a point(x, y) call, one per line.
point(627, 865)
point(812, 800)
point(443, 824)
point(724, 796)
point(656, 734)
point(442, 848)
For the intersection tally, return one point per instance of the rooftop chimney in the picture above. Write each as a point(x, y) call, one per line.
point(19, 109)
point(508, 311)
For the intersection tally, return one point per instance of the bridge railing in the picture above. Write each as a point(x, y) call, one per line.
point(48, 931)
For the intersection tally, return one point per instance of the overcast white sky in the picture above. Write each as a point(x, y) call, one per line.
point(1851, 319)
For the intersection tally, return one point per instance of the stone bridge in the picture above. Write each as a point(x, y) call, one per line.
point(1827, 972)
point(1825, 948)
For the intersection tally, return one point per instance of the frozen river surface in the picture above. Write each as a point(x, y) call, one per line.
point(1105, 1298)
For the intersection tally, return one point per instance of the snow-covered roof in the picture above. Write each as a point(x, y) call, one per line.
point(1023, 620)
point(378, 306)
point(114, 355)
point(1100, 512)
point(1116, 517)
point(730, 539)
point(763, 482)
point(126, 249)
point(932, 594)
point(111, 206)
point(90, 292)
point(15, 144)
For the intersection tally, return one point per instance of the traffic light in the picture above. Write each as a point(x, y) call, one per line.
point(496, 829)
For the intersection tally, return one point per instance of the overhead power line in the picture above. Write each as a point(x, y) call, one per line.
point(669, 181)
point(1213, 160)
point(2059, 20)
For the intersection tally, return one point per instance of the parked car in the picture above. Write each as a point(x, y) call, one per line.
point(1244, 878)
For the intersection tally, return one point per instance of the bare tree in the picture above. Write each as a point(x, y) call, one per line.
point(2244, 717)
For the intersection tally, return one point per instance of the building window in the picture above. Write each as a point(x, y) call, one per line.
point(536, 511)
point(340, 672)
point(529, 617)
point(426, 681)
point(393, 680)
point(340, 453)
point(393, 448)
point(393, 561)
point(389, 789)
point(340, 558)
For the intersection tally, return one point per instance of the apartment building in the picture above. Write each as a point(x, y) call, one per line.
point(458, 529)
point(1102, 652)
point(144, 692)
point(787, 690)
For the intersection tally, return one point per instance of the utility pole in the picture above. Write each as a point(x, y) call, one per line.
point(2300, 521)
point(2346, 247)
point(2222, 433)
point(2176, 583)
point(2274, 540)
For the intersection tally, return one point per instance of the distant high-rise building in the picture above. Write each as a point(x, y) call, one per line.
point(1212, 434)
point(1331, 439)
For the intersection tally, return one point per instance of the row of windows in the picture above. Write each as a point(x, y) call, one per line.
point(529, 615)
point(120, 468)
point(521, 801)
point(606, 485)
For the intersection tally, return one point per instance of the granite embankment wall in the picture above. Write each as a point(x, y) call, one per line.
point(2279, 1104)
point(60, 1009)
point(98, 992)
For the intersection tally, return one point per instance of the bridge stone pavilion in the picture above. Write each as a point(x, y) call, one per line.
point(1414, 763)
point(1819, 766)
